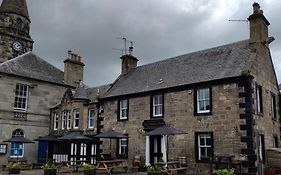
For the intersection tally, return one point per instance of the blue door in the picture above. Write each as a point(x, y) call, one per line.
point(42, 151)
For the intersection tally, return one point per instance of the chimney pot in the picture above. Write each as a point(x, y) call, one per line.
point(130, 50)
point(256, 7)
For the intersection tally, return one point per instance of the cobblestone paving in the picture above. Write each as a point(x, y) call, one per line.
point(40, 172)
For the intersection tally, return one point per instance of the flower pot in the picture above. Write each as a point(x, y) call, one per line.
point(14, 171)
point(50, 171)
point(90, 172)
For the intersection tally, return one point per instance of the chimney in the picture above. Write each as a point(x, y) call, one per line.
point(258, 25)
point(73, 69)
point(128, 62)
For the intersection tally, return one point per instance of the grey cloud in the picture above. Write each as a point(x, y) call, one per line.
point(159, 28)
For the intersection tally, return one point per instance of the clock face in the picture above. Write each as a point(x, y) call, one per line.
point(17, 46)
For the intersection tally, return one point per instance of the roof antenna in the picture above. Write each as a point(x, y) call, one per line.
point(122, 50)
point(125, 44)
point(238, 20)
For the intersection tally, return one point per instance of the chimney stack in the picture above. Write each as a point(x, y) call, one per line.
point(258, 25)
point(128, 61)
point(73, 69)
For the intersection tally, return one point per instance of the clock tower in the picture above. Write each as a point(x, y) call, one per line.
point(14, 29)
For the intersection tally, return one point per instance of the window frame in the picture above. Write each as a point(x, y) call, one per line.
point(153, 106)
point(17, 133)
point(273, 106)
point(120, 109)
point(197, 111)
point(75, 112)
point(56, 121)
point(91, 118)
point(63, 120)
point(118, 147)
point(198, 150)
point(259, 100)
point(68, 119)
point(25, 97)
point(275, 143)
point(3, 149)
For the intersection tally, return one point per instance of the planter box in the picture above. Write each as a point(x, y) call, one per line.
point(14, 171)
point(90, 172)
point(50, 172)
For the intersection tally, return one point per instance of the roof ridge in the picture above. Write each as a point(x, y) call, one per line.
point(190, 53)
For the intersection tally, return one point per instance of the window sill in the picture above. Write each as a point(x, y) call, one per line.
point(122, 120)
point(203, 114)
point(204, 161)
point(260, 114)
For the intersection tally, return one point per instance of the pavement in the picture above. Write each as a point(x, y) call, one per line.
point(41, 172)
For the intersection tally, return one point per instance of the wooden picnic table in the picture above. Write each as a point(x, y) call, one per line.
point(70, 166)
point(170, 167)
point(109, 165)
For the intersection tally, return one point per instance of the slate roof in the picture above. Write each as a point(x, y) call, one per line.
point(30, 65)
point(97, 92)
point(15, 6)
point(216, 63)
point(81, 92)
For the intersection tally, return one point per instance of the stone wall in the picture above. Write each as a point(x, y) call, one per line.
point(41, 97)
point(179, 113)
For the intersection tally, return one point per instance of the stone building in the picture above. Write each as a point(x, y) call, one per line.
point(29, 86)
point(226, 98)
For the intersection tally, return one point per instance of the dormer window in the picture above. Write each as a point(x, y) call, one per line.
point(21, 95)
point(56, 121)
point(68, 120)
point(91, 119)
point(63, 119)
point(76, 118)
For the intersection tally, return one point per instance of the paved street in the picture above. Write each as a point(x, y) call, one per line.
point(40, 172)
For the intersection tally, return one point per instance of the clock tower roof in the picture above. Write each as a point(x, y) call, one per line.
point(15, 6)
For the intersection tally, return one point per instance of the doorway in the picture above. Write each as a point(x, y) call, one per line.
point(155, 149)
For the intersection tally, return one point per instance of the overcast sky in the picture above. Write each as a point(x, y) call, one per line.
point(159, 28)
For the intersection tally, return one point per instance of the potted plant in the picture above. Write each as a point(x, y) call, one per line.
point(224, 171)
point(153, 170)
point(14, 167)
point(49, 168)
point(89, 169)
point(142, 167)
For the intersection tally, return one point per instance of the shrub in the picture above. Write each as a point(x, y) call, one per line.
point(88, 166)
point(224, 172)
point(14, 165)
point(153, 168)
point(49, 165)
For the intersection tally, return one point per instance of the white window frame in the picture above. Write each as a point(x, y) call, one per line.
point(204, 100)
point(75, 118)
point(91, 118)
point(156, 105)
point(123, 105)
point(63, 119)
point(56, 121)
point(20, 89)
point(68, 120)
point(18, 133)
point(204, 146)
point(123, 146)
point(259, 99)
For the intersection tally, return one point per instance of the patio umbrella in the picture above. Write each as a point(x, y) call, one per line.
point(110, 134)
point(18, 140)
point(48, 138)
point(75, 136)
point(165, 131)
